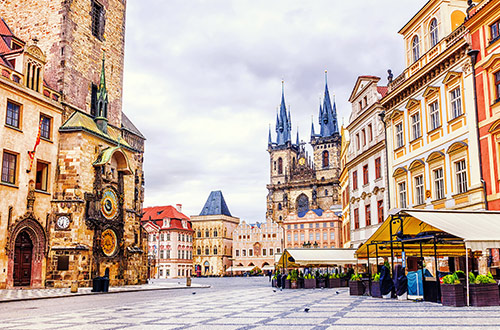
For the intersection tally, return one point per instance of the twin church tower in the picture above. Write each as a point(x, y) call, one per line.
point(299, 183)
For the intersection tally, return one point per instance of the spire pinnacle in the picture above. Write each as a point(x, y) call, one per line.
point(298, 140)
point(269, 140)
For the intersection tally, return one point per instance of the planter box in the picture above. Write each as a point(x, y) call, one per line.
point(356, 288)
point(301, 283)
point(375, 292)
point(287, 284)
point(484, 294)
point(334, 283)
point(294, 284)
point(453, 295)
point(309, 283)
point(321, 282)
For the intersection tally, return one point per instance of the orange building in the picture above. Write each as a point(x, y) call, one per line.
point(483, 25)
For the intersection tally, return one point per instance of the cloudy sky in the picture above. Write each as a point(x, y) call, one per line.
point(203, 80)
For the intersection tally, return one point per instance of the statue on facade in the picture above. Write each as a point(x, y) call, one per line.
point(390, 76)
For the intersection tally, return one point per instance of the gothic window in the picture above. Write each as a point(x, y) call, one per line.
point(207, 234)
point(93, 101)
point(215, 232)
point(280, 165)
point(97, 20)
point(207, 251)
point(279, 206)
point(215, 250)
point(326, 159)
point(302, 203)
point(199, 233)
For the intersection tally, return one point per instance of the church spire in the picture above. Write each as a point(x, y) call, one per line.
point(328, 120)
point(269, 140)
point(298, 140)
point(102, 101)
point(283, 121)
point(312, 128)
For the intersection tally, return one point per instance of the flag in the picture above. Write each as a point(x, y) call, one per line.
point(31, 154)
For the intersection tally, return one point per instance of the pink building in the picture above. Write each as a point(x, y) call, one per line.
point(315, 228)
point(254, 245)
point(170, 241)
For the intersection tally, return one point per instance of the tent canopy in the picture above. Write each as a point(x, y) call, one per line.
point(455, 230)
point(294, 258)
point(240, 269)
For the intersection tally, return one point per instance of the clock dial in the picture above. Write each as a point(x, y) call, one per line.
point(109, 204)
point(109, 242)
point(63, 222)
point(302, 161)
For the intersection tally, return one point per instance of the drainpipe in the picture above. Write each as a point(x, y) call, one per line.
point(382, 118)
point(473, 55)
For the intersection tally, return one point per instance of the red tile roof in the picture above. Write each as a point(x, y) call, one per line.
point(162, 212)
point(382, 90)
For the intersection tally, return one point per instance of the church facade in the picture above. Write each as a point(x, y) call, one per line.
point(299, 182)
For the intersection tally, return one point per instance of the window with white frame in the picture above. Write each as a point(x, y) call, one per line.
point(402, 194)
point(332, 235)
point(439, 183)
point(461, 173)
point(289, 237)
point(434, 115)
point(264, 252)
point(415, 126)
point(325, 236)
point(311, 236)
point(433, 29)
point(456, 102)
point(295, 237)
point(399, 135)
point(302, 237)
point(317, 237)
point(419, 189)
point(415, 49)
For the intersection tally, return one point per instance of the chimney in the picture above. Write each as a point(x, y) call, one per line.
point(178, 207)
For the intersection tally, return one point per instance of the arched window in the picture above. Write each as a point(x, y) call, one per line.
point(279, 206)
point(415, 46)
point(215, 250)
point(215, 232)
point(326, 159)
point(199, 233)
point(433, 32)
point(280, 166)
point(207, 251)
point(326, 192)
point(302, 203)
point(207, 233)
point(199, 251)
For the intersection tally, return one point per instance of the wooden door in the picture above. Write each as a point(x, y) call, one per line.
point(22, 260)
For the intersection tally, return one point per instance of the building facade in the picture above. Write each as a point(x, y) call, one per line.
point(483, 28)
point(96, 181)
point(213, 237)
point(366, 160)
point(430, 116)
point(345, 190)
point(256, 245)
point(297, 182)
point(170, 241)
point(313, 229)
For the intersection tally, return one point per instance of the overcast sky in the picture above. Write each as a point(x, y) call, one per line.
point(203, 80)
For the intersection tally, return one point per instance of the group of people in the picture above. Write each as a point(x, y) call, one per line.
point(397, 285)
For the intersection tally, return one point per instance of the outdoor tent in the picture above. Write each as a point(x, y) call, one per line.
point(295, 258)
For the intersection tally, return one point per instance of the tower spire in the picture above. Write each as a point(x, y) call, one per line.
point(298, 140)
point(312, 128)
point(102, 100)
point(269, 140)
point(283, 121)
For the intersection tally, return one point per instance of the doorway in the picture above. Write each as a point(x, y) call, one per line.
point(22, 259)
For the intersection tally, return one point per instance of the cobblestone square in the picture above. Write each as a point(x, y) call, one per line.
point(240, 303)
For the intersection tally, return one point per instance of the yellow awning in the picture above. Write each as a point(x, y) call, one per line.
point(475, 230)
point(295, 258)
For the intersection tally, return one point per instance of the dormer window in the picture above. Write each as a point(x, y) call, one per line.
point(166, 223)
point(184, 224)
point(415, 46)
point(33, 75)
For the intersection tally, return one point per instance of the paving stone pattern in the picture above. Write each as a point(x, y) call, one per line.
point(262, 308)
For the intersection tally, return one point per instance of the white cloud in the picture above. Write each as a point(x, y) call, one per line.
point(202, 82)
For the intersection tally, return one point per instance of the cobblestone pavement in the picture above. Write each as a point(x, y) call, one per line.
point(249, 303)
point(28, 294)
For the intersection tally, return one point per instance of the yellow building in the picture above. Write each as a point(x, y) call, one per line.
point(430, 116)
point(213, 237)
point(344, 190)
point(28, 146)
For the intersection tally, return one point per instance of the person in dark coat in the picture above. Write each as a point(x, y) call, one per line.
point(400, 280)
point(278, 280)
point(283, 279)
point(386, 284)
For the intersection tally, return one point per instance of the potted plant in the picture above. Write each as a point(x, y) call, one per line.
point(334, 281)
point(452, 291)
point(294, 277)
point(309, 281)
point(375, 291)
point(288, 281)
point(483, 291)
point(356, 286)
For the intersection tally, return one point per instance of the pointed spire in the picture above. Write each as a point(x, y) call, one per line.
point(312, 128)
point(328, 120)
point(298, 140)
point(283, 121)
point(102, 101)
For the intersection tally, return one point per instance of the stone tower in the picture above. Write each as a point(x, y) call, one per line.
point(73, 35)
point(297, 182)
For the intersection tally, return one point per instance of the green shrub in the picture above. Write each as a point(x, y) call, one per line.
point(451, 279)
point(356, 277)
point(376, 277)
point(460, 274)
point(484, 279)
point(472, 278)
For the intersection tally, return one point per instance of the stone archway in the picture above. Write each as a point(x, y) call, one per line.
point(29, 231)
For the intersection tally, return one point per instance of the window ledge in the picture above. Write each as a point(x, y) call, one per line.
point(42, 192)
point(462, 194)
point(416, 139)
point(14, 128)
point(437, 201)
point(432, 131)
point(492, 41)
point(456, 118)
point(46, 140)
point(399, 148)
point(378, 179)
point(9, 185)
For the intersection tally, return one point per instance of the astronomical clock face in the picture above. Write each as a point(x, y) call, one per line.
point(302, 161)
point(109, 242)
point(109, 204)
